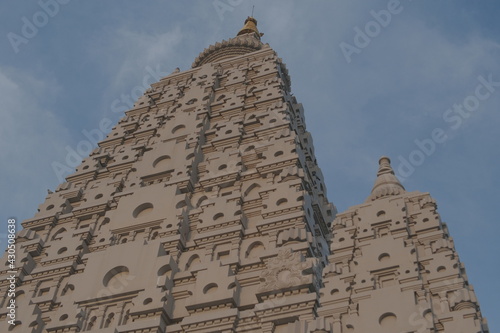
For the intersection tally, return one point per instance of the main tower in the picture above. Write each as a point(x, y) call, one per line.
point(204, 210)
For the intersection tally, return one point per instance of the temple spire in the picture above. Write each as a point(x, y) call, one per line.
point(249, 27)
point(386, 184)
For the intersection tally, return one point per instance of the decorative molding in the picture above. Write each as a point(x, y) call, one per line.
point(228, 49)
point(285, 271)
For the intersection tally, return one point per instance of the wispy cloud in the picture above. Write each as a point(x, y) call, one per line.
point(133, 50)
point(30, 135)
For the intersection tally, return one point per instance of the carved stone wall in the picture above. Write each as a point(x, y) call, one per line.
point(394, 268)
point(204, 210)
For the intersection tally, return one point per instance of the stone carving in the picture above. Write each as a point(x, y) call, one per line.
point(228, 48)
point(285, 271)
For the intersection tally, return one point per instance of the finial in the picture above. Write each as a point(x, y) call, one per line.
point(384, 166)
point(249, 27)
point(386, 184)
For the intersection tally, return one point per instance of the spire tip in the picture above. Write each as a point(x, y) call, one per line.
point(249, 27)
point(386, 184)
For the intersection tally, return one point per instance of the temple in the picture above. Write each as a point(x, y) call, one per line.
point(204, 210)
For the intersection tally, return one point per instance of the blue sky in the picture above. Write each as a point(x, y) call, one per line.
point(410, 86)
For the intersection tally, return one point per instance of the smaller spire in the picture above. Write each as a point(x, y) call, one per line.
point(386, 184)
point(249, 27)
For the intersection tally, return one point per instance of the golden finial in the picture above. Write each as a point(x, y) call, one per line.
point(249, 27)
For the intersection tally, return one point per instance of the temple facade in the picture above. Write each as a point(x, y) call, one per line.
point(204, 210)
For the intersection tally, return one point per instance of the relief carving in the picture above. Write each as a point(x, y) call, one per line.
point(285, 271)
